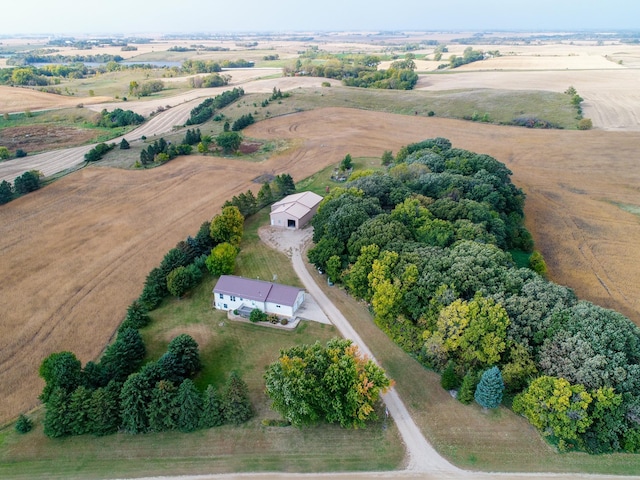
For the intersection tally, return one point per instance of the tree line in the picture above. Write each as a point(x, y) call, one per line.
point(356, 70)
point(205, 110)
point(119, 393)
point(427, 245)
point(25, 183)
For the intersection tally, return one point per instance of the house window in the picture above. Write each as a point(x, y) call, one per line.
point(225, 306)
point(233, 299)
point(221, 295)
point(277, 306)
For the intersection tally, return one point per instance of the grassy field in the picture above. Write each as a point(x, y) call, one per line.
point(318, 182)
point(500, 106)
point(224, 346)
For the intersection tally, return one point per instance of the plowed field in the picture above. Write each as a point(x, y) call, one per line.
point(76, 253)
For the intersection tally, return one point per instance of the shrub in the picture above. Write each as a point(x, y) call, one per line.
point(20, 153)
point(4, 153)
point(284, 321)
point(537, 263)
point(257, 315)
point(468, 387)
point(24, 424)
point(585, 124)
point(450, 380)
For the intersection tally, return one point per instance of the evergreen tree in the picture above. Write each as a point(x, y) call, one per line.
point(124, 356)
point(124, 145)
point(236, 405)
point(27, 182)
point(24, 424)
point(79, 407)
point(137, 316)
point(163, 408)
point(104, 409)
point(284, 185)
point(490, 389)
point(265, 195)
point(190, 407)
point(468, 387)
point(136, 395)
point(186, 350)
point(450, 379)
point(57, 419)
point(212, 415)
point(6, 192)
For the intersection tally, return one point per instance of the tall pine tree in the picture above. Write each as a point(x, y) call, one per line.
point(212, 415)
point(236, 404)
point(190, 407)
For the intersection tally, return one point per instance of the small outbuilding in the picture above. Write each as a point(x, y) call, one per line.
point(295, 211)
point(238, 293)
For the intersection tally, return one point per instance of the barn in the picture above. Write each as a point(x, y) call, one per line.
point(238, 293)
point(295, 211)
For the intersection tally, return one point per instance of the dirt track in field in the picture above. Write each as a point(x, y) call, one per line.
point(75, 253)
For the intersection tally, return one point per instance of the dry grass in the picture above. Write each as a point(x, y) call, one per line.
point(16, 99)
point(76, 252)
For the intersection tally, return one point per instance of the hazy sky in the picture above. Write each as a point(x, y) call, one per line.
point(164, 16)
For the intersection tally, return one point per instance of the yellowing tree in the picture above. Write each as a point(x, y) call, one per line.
point(556, 408)
point(228, 226)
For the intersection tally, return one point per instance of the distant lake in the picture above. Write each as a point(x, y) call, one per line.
point(156, 64)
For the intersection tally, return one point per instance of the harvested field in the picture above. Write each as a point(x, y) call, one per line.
point(16, 99)
point(36, 138)
point(76, 252)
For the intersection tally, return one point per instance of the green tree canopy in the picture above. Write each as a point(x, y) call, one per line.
point(310, 383)
point(229, 141)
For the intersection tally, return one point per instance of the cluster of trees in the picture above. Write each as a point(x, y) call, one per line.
point(248, 204)
point(25, 183)
point(276, 95)
point(427, 245)
point(183, 266)
point(161, 151)
point(210, 81)
point(119, 118)
point(392, 78)
point(468, 56)
point(332, 383)
point(357, 70)
point(97, 152)
point(243, 122)
point(201, 66)
point(146, 88)
point(205, 110)
point(115, 394)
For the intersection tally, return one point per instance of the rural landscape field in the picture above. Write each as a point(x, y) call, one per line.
point(76, 252)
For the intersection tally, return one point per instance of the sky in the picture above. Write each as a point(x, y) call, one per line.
point(183, 16)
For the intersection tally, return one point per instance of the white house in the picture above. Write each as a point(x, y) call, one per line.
point(238, 293)
point(295, 211)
